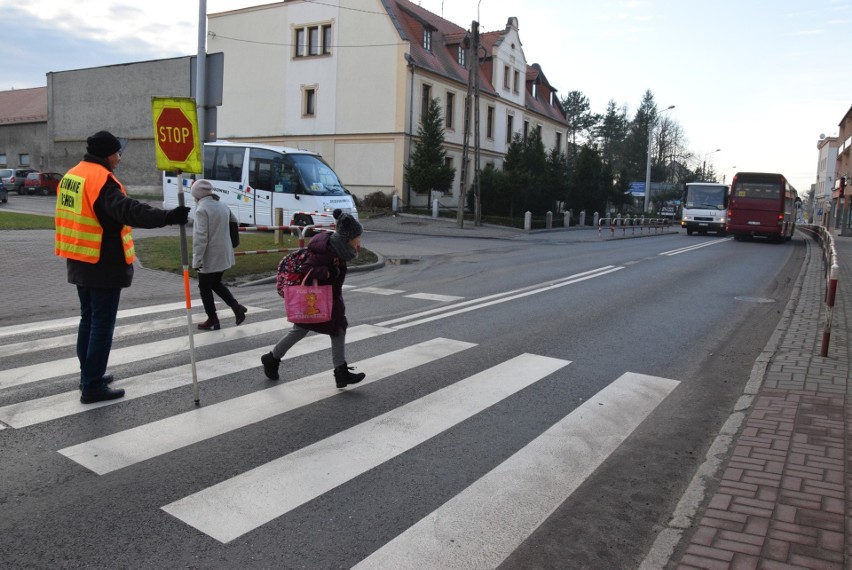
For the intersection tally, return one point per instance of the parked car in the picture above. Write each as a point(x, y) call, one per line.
point(44, 183)
point(13, 178)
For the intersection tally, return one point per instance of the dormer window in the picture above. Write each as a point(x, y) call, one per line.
point(535, 91)
point(427, 39)
point(462, 55)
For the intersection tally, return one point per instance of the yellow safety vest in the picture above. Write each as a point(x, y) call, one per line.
point(78, 232)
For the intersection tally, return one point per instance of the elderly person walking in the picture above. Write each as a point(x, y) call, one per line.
point(212, 252)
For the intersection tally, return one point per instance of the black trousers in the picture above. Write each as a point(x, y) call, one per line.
point(209, 283)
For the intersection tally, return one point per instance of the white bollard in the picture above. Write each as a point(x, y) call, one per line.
point(566, 220)
point(548, 220)
point(435, 208)
point(395, 203)
point(528, 221)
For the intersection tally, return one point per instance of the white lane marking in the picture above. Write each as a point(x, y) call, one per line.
point(119, 450)
point(126, 355)
point(54, 324)
point(694, 247)
point(485, 523)
point(49, 408)
point(431, 297)
point(534, 288)
point(535, 291)
point(378, 291)
point(120, 332)
point(238, 505)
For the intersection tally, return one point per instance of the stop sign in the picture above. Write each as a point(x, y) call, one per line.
point(175, 134)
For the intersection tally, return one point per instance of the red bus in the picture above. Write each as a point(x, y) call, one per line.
point(762, 204)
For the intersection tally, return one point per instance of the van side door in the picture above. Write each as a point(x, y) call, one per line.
point(274, 182)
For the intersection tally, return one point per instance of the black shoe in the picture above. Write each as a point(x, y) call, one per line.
point(107, 379)
point(210, 324)
point(239, 313)
point(343, 377)
point(100, 393)
point(270, 366)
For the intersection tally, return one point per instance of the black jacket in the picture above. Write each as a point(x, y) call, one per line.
point(114, 210)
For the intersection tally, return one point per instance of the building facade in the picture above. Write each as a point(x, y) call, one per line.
point(353, 84)
point(822, 208)
point(23, 129)
point(842, 219)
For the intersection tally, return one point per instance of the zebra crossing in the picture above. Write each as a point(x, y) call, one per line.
point(540, 476)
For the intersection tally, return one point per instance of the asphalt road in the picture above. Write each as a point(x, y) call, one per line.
point(481, 355)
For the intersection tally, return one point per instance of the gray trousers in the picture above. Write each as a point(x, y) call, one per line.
point(297, 333)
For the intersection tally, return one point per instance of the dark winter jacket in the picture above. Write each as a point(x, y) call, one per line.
point(114, 209)
point(328, 269)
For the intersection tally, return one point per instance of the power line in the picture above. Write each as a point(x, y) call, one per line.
point(213, 34)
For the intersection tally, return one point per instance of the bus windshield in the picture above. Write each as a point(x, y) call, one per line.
point(711, 197)
point(319, 179)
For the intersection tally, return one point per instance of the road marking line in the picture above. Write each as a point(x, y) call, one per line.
point(54, 324)
point(119, 450)
point(536, 291)
point(694, 246)
point(57, 406)
point(238, 505)
point(431, 297)
point(126, 355)
point(120, 332)
point(558, 282)
point(378, 291)
point(481, 526)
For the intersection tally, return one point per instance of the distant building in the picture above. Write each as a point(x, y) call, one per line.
point(23, 128)
point(827, 147)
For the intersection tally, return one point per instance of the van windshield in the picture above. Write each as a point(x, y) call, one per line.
point(317, 176)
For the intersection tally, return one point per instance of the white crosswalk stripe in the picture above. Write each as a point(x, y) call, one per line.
point(68, 403)
point(513, 499)
point(238, 505)
point(479, 527)
point(119, 450)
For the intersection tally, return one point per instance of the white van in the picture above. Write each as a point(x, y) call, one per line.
point(256, 179)
point(705, 208)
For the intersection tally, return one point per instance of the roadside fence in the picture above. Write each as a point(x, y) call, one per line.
point(831, 268)
point(632, 223)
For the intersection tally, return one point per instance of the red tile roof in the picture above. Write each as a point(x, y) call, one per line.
point(411, 19)
point(23, 106)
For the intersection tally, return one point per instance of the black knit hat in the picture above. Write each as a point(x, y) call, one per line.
point(102, 144)
point(347, 227)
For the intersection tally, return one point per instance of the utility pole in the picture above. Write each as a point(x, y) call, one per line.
point(467, 105)
point(477, 211)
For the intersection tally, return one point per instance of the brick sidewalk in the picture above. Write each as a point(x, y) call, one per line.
point(781, 500)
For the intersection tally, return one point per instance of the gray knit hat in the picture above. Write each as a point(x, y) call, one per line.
point(347, 227)
point(201, 189)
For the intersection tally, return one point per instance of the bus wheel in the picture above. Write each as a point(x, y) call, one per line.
point(689, 231)
point(303, 220)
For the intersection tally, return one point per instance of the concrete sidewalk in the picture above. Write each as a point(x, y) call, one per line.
point(781, 498)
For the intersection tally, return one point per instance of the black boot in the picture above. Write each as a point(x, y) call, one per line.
point(212, 323)
point(270, 366)
point(100, 393)
point(343, 377)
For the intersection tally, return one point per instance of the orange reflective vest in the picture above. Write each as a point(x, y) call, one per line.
point(78, 232)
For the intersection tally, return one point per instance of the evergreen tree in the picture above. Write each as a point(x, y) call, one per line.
point(428, 170)
point(636, 144)
point(611, 133)
point(581, 120)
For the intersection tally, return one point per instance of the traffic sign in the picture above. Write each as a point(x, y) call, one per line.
point(176, 140)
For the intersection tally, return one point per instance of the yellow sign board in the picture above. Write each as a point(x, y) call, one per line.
point(176, 139)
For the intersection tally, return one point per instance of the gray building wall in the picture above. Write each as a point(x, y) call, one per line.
point(25, 138)
point(116, 98)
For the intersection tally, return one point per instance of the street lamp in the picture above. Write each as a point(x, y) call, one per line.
point(648, 166)
point(704, 166)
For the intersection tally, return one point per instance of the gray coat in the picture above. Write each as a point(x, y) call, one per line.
point(211, 238)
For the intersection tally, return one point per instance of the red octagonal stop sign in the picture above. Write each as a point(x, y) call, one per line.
point(174, 134)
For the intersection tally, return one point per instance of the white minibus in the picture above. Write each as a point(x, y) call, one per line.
point(705, 208)
point(256, 179)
